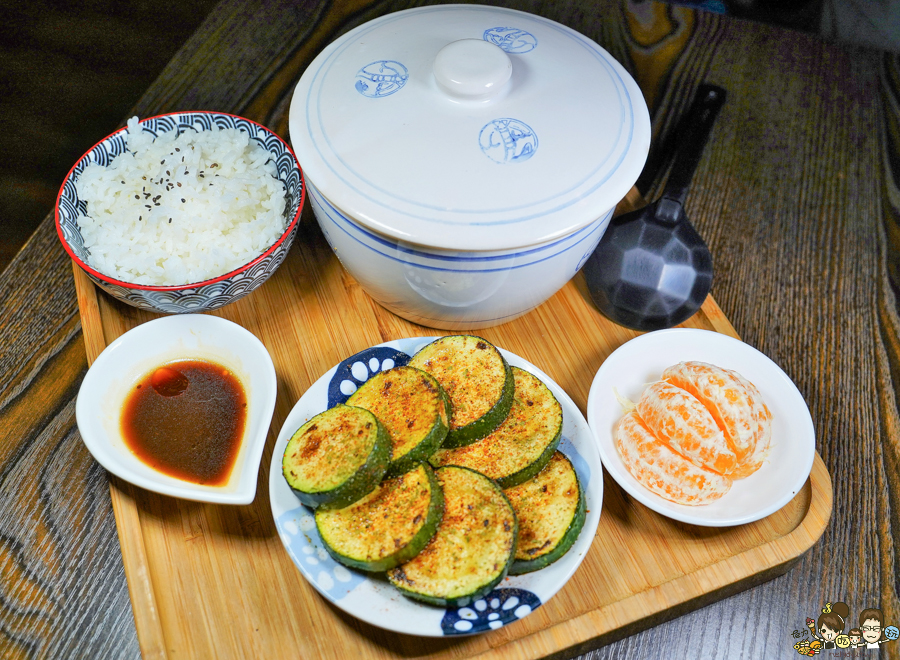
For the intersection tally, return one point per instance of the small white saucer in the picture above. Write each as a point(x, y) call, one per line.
point(642, 360)
point(101, 397)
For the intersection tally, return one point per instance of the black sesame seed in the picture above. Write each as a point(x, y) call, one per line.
point(170, 221)
point(182, 200)
point(162, 162)
point(168, 173)
point(137, 196)
point(178, 184)
point(177, 149)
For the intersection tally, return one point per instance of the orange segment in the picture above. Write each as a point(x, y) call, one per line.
point(729, 398)
point(763, 437)
point(662, 470)
point(679, 420)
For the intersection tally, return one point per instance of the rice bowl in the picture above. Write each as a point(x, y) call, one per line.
point(226, 238)
point(155, 216)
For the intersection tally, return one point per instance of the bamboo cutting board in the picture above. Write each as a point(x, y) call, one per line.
point(211, 581)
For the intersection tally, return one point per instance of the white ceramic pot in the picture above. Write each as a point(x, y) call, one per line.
point(463, 161)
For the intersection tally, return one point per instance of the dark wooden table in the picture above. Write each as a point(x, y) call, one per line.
point(797, 196)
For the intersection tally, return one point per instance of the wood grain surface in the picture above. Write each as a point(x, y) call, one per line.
point(794, 195)
point(311, 315)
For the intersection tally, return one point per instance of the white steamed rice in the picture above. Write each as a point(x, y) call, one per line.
point(177, 210)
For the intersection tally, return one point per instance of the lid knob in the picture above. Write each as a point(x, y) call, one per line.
point(472, 69)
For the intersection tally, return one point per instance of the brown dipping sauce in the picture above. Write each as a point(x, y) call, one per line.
point(186, 419)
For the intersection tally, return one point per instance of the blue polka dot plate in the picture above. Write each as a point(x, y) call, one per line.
point(370, 597)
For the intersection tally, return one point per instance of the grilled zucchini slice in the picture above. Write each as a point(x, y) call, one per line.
point(550, 509)
point(524, 442)
point(477, 379)
point(472, 549)
point(337, 457)
point(414, 409)
point(387, 527)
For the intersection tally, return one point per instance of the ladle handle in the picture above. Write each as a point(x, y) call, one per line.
point(694, 131)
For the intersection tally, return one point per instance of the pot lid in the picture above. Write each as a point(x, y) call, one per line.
point(469, 127)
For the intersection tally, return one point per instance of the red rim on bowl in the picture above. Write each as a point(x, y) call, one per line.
point(192, 285)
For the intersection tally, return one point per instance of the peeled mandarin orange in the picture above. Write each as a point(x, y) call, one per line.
point(694, 432)
point(662, 470)
point(680, 420)
point(729, 398)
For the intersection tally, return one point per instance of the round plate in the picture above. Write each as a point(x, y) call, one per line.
point(642, 360)
point(369, 596)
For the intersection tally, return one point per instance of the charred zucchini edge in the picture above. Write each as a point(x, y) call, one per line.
point(409, 550)
point(521, 566)
point(428, 444)
point(481, 590)
point(490, 420)
point(358, 484)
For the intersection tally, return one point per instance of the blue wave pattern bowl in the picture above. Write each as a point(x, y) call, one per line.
point(197, 296)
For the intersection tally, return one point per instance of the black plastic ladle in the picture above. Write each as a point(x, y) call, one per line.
point(652, 270)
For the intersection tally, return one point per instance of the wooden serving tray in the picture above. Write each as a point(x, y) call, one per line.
point(215, 581)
